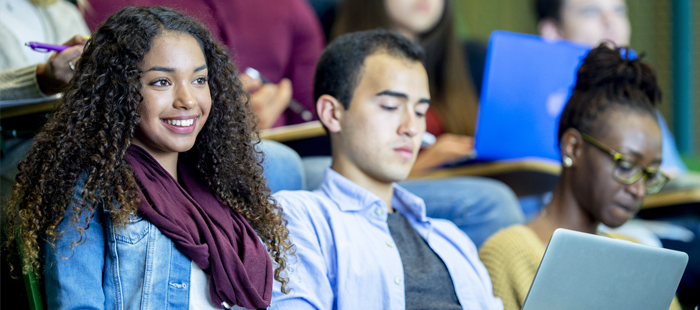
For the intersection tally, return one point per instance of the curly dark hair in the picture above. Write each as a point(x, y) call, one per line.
point(94, 126)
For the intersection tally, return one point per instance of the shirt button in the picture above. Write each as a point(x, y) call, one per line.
point(389, 244)
point(397, 281)
point(378, 211)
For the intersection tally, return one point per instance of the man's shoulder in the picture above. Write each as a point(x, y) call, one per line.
point(455, 236)
point(312, 204)
point(306, 199)
point(447, 227)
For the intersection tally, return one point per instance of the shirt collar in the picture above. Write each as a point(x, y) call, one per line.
point(350, 196)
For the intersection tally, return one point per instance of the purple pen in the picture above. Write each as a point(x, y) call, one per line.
point(46, 48)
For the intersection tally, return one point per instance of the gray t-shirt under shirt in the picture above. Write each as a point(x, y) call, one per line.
point(427, 282)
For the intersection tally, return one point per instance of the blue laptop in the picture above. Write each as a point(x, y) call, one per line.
point(527, 82)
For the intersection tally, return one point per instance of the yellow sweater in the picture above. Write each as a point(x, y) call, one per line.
point(512, 257)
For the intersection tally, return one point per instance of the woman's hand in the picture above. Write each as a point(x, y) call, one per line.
point(448, 148)
point(55, 74)
point(267, 100)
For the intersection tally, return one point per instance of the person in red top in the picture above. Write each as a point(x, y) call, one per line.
point(281, 39)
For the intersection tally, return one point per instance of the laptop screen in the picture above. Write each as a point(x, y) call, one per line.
point(527, 82)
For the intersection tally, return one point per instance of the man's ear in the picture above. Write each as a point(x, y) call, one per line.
point(330, 112)
point(549, 28)
point(572, 145)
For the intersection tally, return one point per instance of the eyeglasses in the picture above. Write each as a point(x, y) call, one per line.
point(627, 170)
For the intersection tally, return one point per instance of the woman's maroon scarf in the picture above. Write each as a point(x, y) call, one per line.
point(216, 238)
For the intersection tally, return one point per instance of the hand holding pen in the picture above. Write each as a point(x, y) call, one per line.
point(48, 48)
point(268, 100)
point(55, 74)
point(293, 105)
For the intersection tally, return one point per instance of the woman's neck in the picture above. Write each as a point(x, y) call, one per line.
point(407, 33)
point(563, 211)
point(167, 160)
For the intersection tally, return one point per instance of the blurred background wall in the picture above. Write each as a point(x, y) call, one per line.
point(652, 31)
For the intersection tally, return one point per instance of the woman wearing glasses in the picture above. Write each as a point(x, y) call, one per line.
point(610, 143)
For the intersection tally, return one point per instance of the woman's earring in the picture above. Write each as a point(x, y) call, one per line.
point(568, 162)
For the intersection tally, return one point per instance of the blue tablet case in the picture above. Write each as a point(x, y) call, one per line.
point(527, 82)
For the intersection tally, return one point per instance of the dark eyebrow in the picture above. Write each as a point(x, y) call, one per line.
point(401, 95)
point(165, 69)
point(393, 94)
point(634, 153)
point(639, 155)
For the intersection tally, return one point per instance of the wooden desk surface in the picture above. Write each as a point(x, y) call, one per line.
point(539, 165)
point(26, 109)
point(294, 132)
point(525, 176)
point(671, 198)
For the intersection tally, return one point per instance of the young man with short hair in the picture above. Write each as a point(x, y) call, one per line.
point(363, 242)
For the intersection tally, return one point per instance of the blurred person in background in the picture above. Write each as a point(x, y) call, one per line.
point(586, 21)
point(596, 21)
point(27, 74)
point(478, 206)
point(593, 22)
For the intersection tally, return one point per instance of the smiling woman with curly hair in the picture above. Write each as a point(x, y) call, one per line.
point(144, 188)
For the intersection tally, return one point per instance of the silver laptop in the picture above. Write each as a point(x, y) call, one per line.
point(585, 271)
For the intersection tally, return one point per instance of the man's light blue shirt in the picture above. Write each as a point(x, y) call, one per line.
point(346, 258)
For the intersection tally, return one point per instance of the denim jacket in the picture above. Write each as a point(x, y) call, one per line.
point(136, 267)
